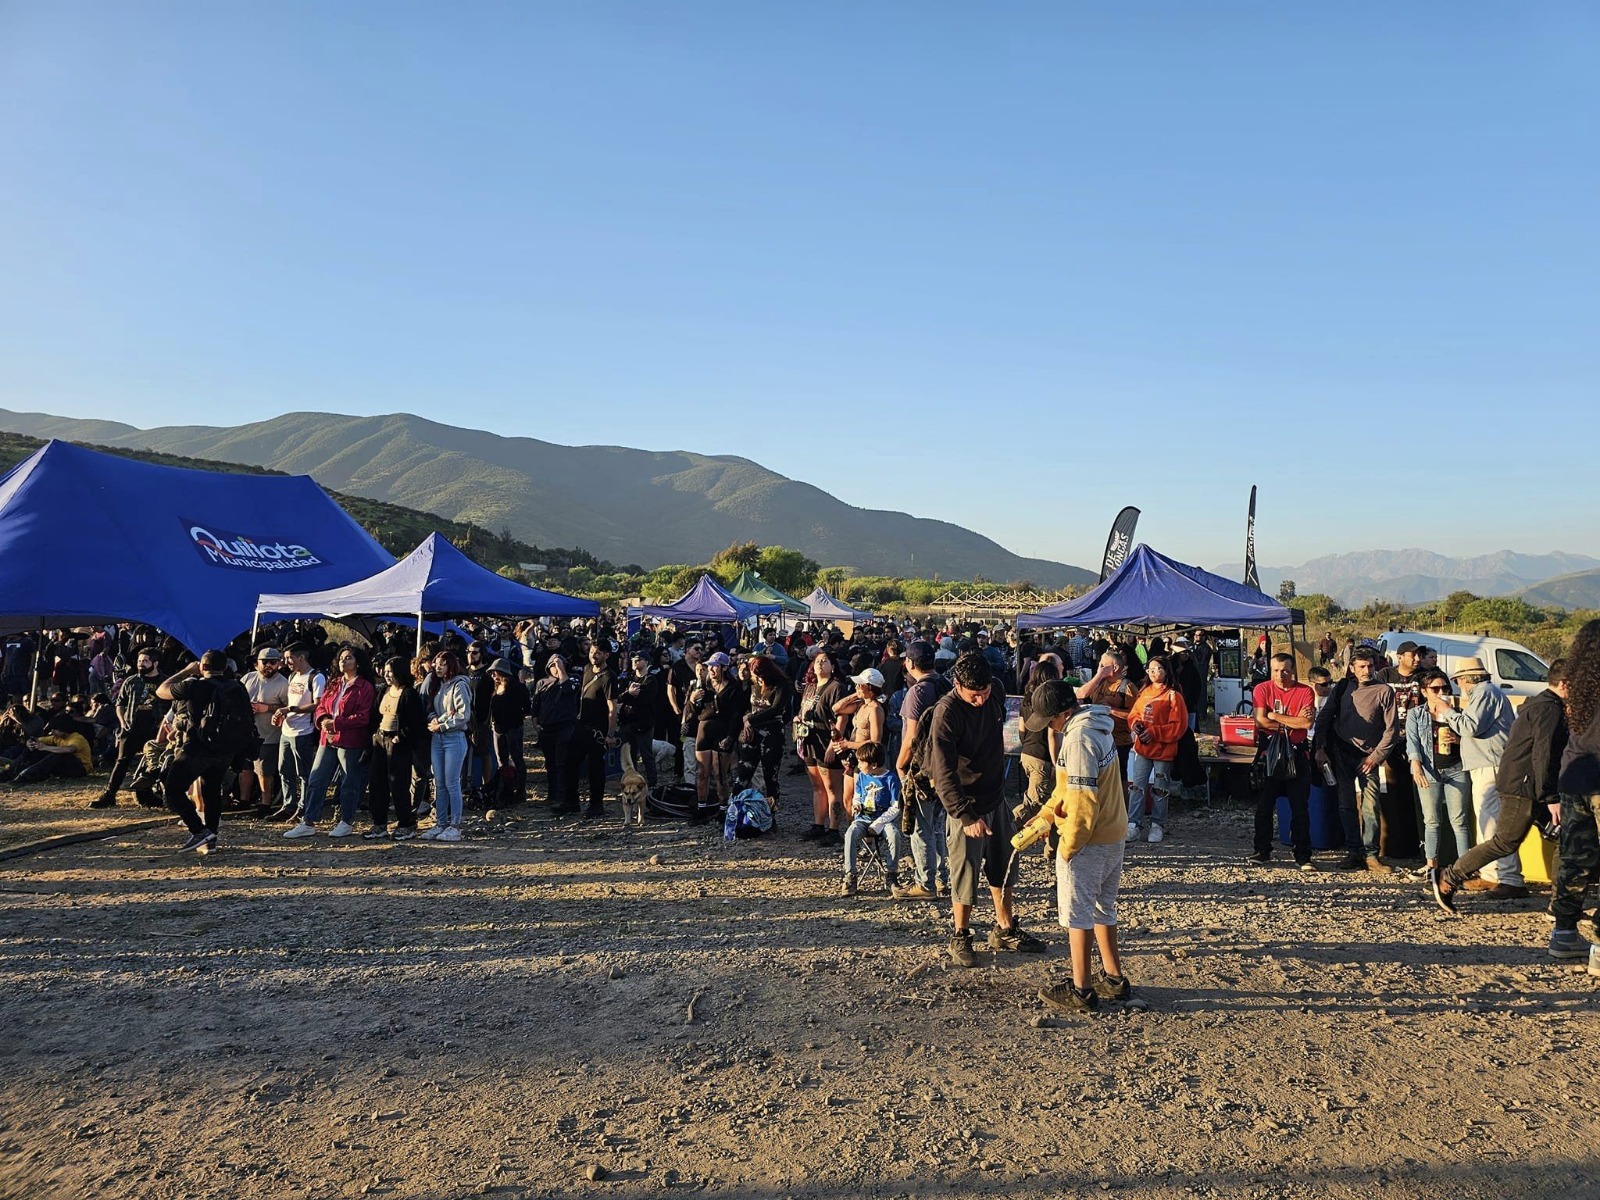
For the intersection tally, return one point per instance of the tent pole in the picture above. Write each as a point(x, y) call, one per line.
point(33, 687)
point(419, 635)
point(255, 629)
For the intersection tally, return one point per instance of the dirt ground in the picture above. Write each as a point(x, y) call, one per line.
point(509, 1015)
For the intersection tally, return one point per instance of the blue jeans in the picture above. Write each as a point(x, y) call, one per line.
point(1450, 791)
point(1358, 801)
point(861, 829)
point(295, 754)
point(449, 753)
point(930, 857)
point(353, 766)
point(1147, 777)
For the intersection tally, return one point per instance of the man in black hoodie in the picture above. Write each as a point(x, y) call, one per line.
point(967, 765)
point(1526, 777)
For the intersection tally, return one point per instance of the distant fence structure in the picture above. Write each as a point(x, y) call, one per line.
point(997, 601)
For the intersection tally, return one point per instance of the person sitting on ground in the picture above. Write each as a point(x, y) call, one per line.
point(1157, 724)
point(874, 810)
point(1085, 811)
point(62, 752)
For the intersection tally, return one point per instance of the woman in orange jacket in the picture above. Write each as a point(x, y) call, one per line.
point(1157, 721)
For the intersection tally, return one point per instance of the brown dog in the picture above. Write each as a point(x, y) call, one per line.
point(633, 794)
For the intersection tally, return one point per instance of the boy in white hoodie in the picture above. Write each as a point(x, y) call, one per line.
point(1088, 809)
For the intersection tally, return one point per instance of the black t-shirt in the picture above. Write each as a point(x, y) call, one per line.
point(594, 704)
point(190, 698)
point(509, 708)
point(636, 702)
point(1444, 758)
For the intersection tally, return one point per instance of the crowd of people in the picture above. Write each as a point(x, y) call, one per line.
point(898, 730)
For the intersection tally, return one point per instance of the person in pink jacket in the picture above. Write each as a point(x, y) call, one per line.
point(1157, 721)
point(344, 722)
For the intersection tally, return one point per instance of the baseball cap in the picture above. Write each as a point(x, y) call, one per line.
point(719, 659)
point(920, 654)
point(871, 676)
point(270, 654)
point(1053, 697)
point(1407, 648)
point(501, 666)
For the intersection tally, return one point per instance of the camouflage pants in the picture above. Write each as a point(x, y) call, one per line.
point(1580, 857)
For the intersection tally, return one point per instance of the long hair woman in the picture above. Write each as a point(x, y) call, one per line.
point(344, 720)
point(1158, 722)
point(1579, 785)
point(398, 745)
point(720, 701)
point(452, 718)
point(1038, 764)
point(769, 705)
point(822, 691)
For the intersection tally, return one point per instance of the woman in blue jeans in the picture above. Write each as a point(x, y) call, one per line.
point(344, 723)
point(452, 718)
point(1443, 784)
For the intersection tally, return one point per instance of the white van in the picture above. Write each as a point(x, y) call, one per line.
point(1511, 666)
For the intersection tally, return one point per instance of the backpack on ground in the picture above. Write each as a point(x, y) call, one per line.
point(227, 726)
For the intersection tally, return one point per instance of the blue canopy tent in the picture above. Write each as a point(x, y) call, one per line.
point(434, 582)
point(824, 607)
point(88, 538)
point(707, 601)
point(1152, 590)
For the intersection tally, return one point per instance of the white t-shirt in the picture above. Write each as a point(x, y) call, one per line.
point(305, 690)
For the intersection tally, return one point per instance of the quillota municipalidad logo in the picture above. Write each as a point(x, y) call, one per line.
point(226, 548)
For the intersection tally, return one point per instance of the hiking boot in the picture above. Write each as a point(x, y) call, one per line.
point(106, 801)
point(1377, 866)
point(848, 887)
point(1565, 943)
point(961, 948)
point(1478, 884)
point(1017, 939)
point(914, 892)
point(1112, 987)
point(1068, 999)
point(1443, 895)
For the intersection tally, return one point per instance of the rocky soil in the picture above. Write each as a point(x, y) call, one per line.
point(558, 1009)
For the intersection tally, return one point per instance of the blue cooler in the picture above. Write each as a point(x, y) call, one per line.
point(1326, 831)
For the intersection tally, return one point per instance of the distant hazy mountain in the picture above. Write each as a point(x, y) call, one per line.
point(629, 506)
point(1580, 590)
point(1416, 576)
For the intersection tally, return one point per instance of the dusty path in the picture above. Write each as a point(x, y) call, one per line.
point(496, 1017)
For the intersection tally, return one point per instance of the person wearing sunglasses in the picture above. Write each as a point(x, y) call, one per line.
point(1443, 786)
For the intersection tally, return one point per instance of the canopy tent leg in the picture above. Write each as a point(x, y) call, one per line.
point(419, 635)
point(33, 687)
point(255, 630)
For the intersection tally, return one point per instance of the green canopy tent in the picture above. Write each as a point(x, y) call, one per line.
point(748, 586)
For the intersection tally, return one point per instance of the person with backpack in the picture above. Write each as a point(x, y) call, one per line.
point(138, 716)
point(344, 720)
point(214, 725)
point(923, 813)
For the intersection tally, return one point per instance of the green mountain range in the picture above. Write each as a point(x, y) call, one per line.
point(627, 506)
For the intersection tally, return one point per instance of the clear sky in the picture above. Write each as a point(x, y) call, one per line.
point(1011, 265)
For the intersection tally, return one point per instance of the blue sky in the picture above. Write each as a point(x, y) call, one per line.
point(1011, 265)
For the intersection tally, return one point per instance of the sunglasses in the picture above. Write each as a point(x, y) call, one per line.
point(1436, 689)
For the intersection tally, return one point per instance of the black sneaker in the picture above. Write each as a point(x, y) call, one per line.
point(377, 833)
point(1445, 900)
point(209, 846)
point(103, 802)
point(196, 840)
point(830, 837)
point(1353, 862)
point(1016, 938)
point(1068, 999)
point(1108, 987)
point(961, 949)
point(1259, 856)
point(287, 813)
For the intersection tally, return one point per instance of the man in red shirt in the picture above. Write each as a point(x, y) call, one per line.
point(1284, 704)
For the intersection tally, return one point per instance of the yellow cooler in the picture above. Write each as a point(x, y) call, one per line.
point(1538, 858)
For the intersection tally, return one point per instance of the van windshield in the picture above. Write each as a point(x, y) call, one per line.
point(1515, 666)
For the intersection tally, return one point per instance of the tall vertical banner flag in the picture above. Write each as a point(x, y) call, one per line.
point(1251, 579)
point(1119, 542)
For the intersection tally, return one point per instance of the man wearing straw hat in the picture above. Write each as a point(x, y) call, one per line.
point(1483, 725)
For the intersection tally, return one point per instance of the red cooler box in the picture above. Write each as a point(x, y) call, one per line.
point(1238, 731)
